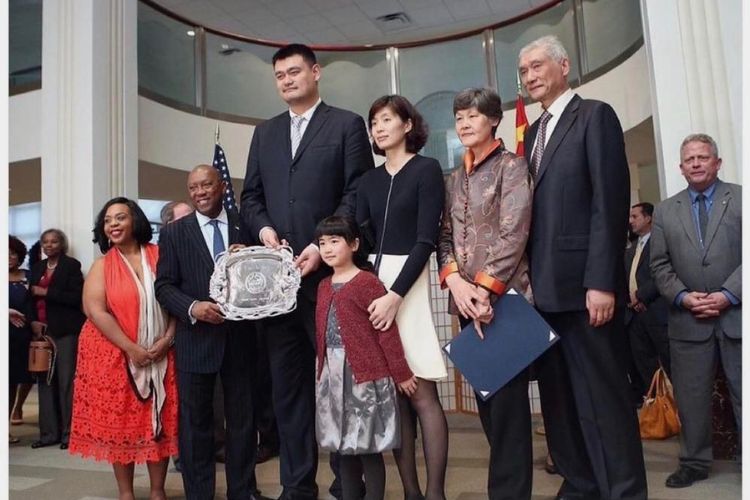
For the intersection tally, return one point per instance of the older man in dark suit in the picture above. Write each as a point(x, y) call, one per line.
point(576, 155)
point(303, 166)
point(696, 260)
point(206, 345)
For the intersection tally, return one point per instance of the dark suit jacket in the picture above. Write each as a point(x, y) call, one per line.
point(64, 313)
point(679, 262)
point(293, 194)
point(182, 276)
point(580, 211)
point(656, 306)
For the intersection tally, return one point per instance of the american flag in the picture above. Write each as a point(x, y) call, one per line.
point(220, 164)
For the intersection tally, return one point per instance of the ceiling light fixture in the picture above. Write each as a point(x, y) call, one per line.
point(190, 33)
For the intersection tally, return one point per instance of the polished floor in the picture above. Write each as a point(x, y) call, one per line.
point(52, 473)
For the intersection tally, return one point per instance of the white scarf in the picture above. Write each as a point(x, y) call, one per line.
point(152, 323)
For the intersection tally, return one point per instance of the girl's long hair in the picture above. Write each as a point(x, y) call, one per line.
point(345, 227)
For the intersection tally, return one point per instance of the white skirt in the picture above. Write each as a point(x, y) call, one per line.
point(414, 320)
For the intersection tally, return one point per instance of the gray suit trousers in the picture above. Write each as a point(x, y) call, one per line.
point(694, 367)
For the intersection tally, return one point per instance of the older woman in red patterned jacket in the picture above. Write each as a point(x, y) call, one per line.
point(481, 252)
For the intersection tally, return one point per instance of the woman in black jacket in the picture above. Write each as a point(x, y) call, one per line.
point(56, 286)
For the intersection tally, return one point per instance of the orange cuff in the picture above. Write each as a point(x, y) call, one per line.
point(493, 285)
point(445, 271)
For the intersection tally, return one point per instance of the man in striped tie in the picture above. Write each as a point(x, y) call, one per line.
point(576, 250)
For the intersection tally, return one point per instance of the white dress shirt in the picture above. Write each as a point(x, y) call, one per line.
point(555, 109)
point(208, 230)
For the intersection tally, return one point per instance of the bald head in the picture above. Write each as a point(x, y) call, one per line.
point(206, 190)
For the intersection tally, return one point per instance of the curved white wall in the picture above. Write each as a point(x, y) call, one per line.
point(181, 140)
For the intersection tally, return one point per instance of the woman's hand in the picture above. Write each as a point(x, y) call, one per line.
point(160, 348)
point(464, 295)
point(17, 318)
point(383, 310)
point(139, 356)
point(236, 247)
point(408, 387)
point(38, 291)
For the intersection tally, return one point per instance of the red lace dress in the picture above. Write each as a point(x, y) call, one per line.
point(110, 422)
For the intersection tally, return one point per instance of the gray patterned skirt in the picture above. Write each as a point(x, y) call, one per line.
point(354, 419)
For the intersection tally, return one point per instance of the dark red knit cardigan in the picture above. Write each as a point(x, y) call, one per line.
point(371, 353)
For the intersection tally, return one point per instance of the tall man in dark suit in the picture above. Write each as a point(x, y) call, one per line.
point(646, 316)
point(206, 345)
point(303, 166)
point(696, 259)
point(576, 248)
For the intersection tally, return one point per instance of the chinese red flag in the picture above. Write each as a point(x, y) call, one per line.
point(522, 123)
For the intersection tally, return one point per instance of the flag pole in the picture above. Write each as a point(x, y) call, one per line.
point(518, 84)
point(216, 135)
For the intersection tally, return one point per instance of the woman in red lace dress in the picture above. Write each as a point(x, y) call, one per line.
point(125, 399)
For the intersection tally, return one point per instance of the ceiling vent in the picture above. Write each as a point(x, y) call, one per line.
point(393, 22)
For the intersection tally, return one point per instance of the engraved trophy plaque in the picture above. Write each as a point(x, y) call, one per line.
point(255, 282)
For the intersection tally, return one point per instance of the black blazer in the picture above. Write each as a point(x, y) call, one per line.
point(182, 276)
point(656, 306)
point(580, 211)
point(293, 194)
point(64, 313)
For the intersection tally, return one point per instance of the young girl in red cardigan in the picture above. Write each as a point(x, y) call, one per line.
point(357, 412)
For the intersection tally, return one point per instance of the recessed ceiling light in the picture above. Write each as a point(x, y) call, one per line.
point(190, 33)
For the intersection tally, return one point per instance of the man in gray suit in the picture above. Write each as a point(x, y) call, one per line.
point(696, 260)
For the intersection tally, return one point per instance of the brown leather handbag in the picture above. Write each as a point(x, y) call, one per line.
point(659, 418)
point(42, 354)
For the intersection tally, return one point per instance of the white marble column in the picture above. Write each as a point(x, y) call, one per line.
point(694, 49)
point(89, 113)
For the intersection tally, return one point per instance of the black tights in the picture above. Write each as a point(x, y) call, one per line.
point(351, 468)
point(425, 406)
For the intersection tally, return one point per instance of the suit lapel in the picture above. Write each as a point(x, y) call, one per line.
point(722, 197)
point(234, 230)
point(286, 123)
point(567, 118)
point(685, 213)
point(316, 123)
point(195, 234)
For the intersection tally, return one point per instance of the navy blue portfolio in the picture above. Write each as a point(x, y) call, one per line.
point(516, 336)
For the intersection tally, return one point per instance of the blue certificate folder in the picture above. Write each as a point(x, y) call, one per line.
point(516, 336)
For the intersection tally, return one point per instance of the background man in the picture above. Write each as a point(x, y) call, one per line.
point(576, 154)
point(696, 259)
point(303, 166)
point(205, 344)
point(646, 316)
point(174, 210)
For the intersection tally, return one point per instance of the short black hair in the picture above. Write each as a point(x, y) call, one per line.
point(35, 253)
point(142, 231)
point(485, 100)
point(416, 138)
point(17, 247)
point(646, 207)
point(295, 49)
point(347, 228)
point(61, 236)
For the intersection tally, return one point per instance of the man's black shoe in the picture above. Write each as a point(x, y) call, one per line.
point(42, 444)
point(684, 477)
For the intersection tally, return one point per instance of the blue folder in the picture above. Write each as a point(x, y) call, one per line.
point(516, 336)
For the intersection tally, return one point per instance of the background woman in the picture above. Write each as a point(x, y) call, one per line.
point(56, 285)
point(402, 200)
point(19, 332)
point(125, 404)
point(482, 254)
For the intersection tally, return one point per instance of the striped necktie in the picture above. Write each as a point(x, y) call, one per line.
point(541, 138)
point(297, 122)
